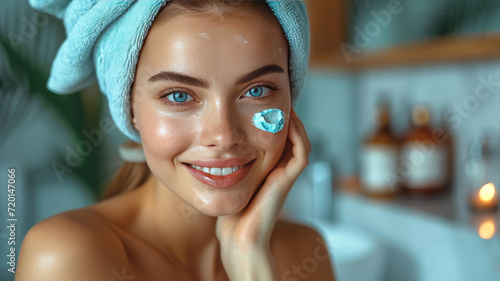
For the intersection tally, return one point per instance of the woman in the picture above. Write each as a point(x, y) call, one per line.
point(214, 182)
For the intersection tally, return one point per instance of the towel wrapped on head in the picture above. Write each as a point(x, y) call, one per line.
point(104, 39)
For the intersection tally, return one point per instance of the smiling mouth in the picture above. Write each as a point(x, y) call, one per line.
point(217, 171)
point(219, 177)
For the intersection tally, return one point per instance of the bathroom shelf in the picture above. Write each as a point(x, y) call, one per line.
point(446, 206)
point(441, 50)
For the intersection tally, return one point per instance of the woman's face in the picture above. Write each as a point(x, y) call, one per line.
point(199, 81)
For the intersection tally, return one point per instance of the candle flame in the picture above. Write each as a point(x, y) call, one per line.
point(487, 192)
point(487, 229)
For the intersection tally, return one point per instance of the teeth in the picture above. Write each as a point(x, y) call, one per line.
point(217, 171)
point(227, 171)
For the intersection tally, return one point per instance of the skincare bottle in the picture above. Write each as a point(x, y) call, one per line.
point(423, 162)
point(378, 158)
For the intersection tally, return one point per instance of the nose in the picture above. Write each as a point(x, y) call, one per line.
point(221, 127)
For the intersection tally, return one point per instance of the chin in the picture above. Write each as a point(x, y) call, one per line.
point(223, 207)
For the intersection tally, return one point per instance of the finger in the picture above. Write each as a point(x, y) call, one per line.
point(300, 127)
point(300, 152)
point(287, 154)
point(268, 201)
point(273, 192)
point(279, 180)
point(302, 131)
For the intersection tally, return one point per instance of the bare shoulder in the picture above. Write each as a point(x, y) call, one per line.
point(74, 245)
point(300, 253)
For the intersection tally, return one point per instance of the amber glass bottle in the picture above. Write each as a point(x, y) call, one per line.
point(378, 159)
point(423, 162)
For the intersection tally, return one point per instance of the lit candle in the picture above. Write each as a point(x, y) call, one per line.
point(487, 229)
point(485, 198)
point(485, 224)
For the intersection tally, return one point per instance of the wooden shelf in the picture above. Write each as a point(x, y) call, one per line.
point(442, 50)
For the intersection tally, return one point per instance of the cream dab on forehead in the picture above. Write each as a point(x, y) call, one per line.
point(178, 44)
point(281, 52)
point(240, 39)
point(204, 35)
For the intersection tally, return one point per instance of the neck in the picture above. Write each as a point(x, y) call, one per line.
point(178, 230)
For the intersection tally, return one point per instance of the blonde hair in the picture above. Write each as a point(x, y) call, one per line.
point(133, 175)
point(130, 176)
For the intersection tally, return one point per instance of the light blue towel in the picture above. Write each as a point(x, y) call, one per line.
point(104, 38)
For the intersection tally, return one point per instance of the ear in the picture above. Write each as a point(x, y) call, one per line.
point(132, 115)
point(134, 122)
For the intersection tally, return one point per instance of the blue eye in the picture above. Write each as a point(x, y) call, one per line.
point(179, 97)
point(256, 92)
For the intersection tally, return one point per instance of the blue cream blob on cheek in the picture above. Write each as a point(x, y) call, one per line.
point(270, 120)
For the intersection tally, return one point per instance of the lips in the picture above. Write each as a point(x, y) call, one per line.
point(216, 173)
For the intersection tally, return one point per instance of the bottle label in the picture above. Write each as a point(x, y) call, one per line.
point(378, 168)
point(423, 165)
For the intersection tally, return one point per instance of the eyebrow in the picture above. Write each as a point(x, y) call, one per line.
point(271, 68)
point(178, 77)
point(198, 82)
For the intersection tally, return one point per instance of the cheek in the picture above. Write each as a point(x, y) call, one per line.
point(273, 144)
point(164, 137)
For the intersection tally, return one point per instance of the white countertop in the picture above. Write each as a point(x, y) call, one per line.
point(425, 243)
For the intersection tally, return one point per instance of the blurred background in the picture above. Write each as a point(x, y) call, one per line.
point(401, 105)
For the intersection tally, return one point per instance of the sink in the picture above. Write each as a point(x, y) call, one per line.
point(356, 255)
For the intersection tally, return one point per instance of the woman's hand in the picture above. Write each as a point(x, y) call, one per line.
point(245, 237)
